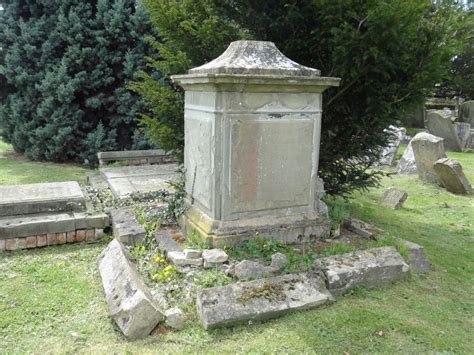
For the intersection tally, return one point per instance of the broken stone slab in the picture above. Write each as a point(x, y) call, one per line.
point(463, 130)
point(393, 198)
point(178, 258)
point(166, 239)
point(441, 126)
point(151, 156)
point(130, 302)
point(192, 253)
point(175, 318)
point(41, 198)
point(407, 164)
point(214, 257)
point(250, 270)
point(452, 177)
point(418, 261)
point(427, 149)
point(261, 299)
point(366, 268)
point(360, 228)
point(126, 227)
point(387, 157)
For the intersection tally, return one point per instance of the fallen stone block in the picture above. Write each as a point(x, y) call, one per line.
point(427, 150)
point(175, 318)
point(366, 268)
point(260, 299)
point(130, 302)
point(418, 261)
point(278, 261)
point(192, 253)
point(178, 258)
point(360, 228)
point(393, 198)
point(249, 270)
point(214, 257)
point(452, 177)
point(126, 227)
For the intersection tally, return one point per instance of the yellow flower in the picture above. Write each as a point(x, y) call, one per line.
point(168, 268)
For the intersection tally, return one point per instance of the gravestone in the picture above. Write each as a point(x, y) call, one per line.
point(407, 165)
point(466, 112)
point(427, 149)
point(389, 153)
point(393, 198)
point(252, 133)
point(451, 176)
point(441, 125)
point(463, 130)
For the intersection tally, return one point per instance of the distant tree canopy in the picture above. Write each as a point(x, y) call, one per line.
point(64, 70)
point(389, 54)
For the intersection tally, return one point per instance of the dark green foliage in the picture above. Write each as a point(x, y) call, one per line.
point(389, 54)
point(67, 64)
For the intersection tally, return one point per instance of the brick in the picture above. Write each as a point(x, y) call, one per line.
point(10, 244)
point(21, 243)
point(61, 238)
point(52, 239)
point(80, 235)
point(2, 245)
point(70, 237)
point(31, 242)
point(90, 235)
point(41, 240)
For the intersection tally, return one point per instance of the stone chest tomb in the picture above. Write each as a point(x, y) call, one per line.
point(252, 136)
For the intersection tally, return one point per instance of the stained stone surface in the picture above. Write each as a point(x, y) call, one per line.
point(252, 135)
point(127, 180)
point(130, 302)
point(125, 226)
point(367, 268)
point(393, 198)
point(167, 239)
point(451, 176)
point(407, 164)
point(466, 112)
point(440, 125)
point(427, 149)
point(39, 198)
point(260, 299)
point(418, 261)
point(463, 130)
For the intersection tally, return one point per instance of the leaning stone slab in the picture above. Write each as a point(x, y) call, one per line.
point(40, 198)
point(393, 198)
point(427, 150)
point(466, 112)
point(441, 126)
point(367, 268)
point(125, 226)
point(463, 130)
point(130, 302)
point(260, 299)
point(407, 165)
point(452, 177)
point(418, 261)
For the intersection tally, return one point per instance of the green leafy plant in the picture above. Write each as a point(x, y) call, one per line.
point(257, 248)
point(338, 212)
point(211, 278)
point(195, 241)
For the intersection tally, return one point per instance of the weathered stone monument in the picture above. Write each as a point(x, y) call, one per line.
point(451, 176)
point(463, 130)
point(407, 165)
point(441, 126)
point(427, 149)
point(252, 134)
point(466, 112)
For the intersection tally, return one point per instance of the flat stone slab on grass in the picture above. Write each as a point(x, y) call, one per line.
point(452, 177)
point(126, 227)
point(127, 180)
point(130, 302)
point(261, 299)
point(366, 268)
point(39, 198)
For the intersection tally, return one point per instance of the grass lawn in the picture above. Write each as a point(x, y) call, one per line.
point(51, 299)
point(15, 169)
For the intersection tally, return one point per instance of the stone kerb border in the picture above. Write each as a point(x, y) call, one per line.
point(135, 157)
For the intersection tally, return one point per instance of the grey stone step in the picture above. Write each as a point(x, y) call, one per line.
point(261, 299)
point(30, 225)
point(41, 198)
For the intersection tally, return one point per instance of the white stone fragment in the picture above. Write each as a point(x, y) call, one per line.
point(175, 318)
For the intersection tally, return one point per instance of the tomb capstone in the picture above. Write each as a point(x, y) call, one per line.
point(252, 133)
